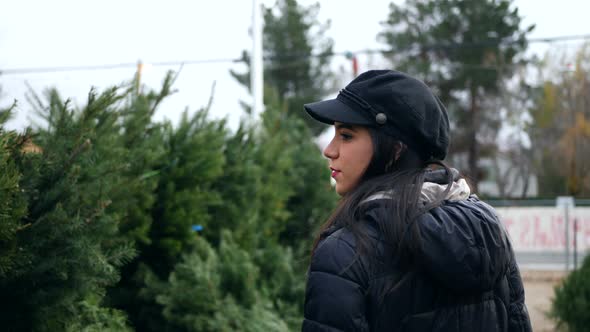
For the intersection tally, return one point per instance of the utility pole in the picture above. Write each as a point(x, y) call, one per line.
point(355, 65)
point(138, 76)
point(567, 203)
point(256, 67)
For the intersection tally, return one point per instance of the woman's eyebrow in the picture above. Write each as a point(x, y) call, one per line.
point(344, 126)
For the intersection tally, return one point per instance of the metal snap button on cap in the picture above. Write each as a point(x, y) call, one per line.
point(381, 118)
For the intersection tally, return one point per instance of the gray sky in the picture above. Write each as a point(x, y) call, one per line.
point(38, 33)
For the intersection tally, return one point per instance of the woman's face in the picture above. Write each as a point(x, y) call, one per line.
point(350, 153)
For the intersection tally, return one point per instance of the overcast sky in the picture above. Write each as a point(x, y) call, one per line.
point(39, 33)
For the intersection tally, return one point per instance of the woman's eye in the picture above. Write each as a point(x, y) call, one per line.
point(346, 137)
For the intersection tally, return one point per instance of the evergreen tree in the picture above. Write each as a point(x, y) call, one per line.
point(248, 227)
point(66, 243)
point(571, 303)
point(294, 187)
point(103, 182)
point(215, 290)
point(306, 176)
point(296, 57)
point(294, 199)
point(12, 202)
point(135, 196)
point(192, 161)
point(462, 48)
point(141, 138)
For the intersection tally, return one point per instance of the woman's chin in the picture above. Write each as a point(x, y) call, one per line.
point(340, 191)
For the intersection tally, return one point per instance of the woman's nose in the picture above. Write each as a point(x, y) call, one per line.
point(331, 152)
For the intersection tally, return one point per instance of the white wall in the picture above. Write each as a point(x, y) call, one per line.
point(542, 229)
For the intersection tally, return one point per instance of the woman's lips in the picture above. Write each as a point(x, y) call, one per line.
point(335, 172)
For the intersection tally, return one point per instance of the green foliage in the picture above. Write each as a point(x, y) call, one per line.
point(461, 48)
point(193, 161)
point(12, 205)
point(67, 251)
point(297, 57)
point(214, 290)
point(141, 139)
point(240, 208)
point(251, 225)
point(455, 44)
point(98, 209)
point(94, 318)
point(6, 113)
point(310, 204)
point(299, 186)
point(273, 166)
point(571, 305)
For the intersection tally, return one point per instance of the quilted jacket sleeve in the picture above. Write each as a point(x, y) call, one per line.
point(518, 316)
point(336, 287)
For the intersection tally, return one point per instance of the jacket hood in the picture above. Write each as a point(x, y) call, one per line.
point(434, 187)
point(459, 191)
point(463, 243)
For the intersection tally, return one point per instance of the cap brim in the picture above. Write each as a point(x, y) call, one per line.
point(333, 110)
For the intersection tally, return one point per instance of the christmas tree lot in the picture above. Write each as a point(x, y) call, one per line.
point(111, 221)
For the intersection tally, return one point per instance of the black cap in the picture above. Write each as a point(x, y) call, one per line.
point(393, 101)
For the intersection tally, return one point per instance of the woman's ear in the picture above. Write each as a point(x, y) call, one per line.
point(399, 148)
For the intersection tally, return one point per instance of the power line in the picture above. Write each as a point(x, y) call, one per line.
point(33, 70)
point(558, 39)
point(40, 70)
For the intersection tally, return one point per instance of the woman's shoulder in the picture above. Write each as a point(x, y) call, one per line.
point(343, 240)
point(338, 253)
point(475, 207)
point(335, 236)
point(464, 244)
point(365, 226)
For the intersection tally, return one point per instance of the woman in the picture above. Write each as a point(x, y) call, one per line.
point(408, 248)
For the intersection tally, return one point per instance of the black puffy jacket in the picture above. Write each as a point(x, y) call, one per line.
point(465, 277)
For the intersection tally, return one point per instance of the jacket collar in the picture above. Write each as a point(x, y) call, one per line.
point(433, 188)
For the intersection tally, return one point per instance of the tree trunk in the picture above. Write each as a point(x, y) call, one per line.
point(473, 146)
point(525, 184)
point(525, 172)
point(500, 178)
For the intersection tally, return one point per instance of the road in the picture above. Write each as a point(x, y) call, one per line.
point(552, 261)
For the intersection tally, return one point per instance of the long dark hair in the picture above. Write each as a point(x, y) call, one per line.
point(402, 179)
